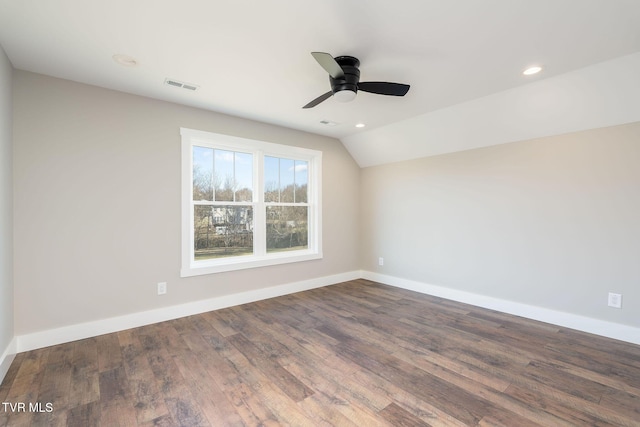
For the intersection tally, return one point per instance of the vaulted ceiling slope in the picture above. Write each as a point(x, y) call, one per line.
point(463, 59)
point(600, 95)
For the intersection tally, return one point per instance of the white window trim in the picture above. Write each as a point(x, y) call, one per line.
point(190, 267)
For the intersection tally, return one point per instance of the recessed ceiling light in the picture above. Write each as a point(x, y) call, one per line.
point(532, 70)
point(125, 60)
point(360, 125)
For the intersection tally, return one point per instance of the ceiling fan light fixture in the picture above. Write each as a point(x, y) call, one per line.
point(345, 96)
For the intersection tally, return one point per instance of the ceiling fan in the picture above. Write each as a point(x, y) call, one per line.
point(344, 77)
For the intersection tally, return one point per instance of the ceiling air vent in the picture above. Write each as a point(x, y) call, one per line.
point(183, 85)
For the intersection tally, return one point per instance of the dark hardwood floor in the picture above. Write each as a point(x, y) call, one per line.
point(353, 354)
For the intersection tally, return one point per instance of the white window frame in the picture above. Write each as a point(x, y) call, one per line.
point(259, 149)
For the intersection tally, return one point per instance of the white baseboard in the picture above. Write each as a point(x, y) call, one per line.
point(573, 321)
point(91, 329)
point(7, 357)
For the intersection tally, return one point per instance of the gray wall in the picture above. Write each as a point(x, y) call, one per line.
point(6, 205)
point(551, 222)
point(97, 206)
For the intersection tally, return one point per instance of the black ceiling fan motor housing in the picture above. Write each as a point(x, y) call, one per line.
point(351, 77)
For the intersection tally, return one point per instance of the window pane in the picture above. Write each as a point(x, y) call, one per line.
point(243, 177)
point(223, 175)
point(287, 228)
point(202, 173)
point(271, 179)
point(222, 231)
point(285, 180)
point(287, 174)
point(302, 181)
point(233, 176)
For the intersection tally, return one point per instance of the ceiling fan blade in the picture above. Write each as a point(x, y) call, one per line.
point(327, 62)
point(319, 99)
point(384, 88)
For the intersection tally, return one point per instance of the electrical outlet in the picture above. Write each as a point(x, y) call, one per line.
point(380, 261)
point(615, 300)
point(162, 288)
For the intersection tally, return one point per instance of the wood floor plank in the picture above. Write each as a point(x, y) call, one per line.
point(289, 384)
point(413, 380)
point(329, 383)
point(148, 402)
point(539, 389)
point(488, 393)
point(56, 382)
point(25, 388)
point(231, 372)
point(352, 354)
point(397, 416)
point(548, 374)
point(9, 378)
point(324, 414)
point(27, 380)
point(179, 396)
point(85, 415)
point(109, 354)
point(219, 323)
point(185, 411)
point(267, 402)
point(568, 415)
point(623, 403)
point(85, 387)
point(596, 361)
point(207, 394)
point(423, 409)
point(116, 401)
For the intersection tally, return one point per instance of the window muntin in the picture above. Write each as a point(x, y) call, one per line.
point(227, 224)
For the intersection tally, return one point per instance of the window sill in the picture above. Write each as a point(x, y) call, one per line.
point(241, 263)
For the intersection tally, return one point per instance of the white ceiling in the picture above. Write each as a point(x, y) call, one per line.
point(252, 58)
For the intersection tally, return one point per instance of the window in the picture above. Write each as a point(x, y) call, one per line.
point(247, 203)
